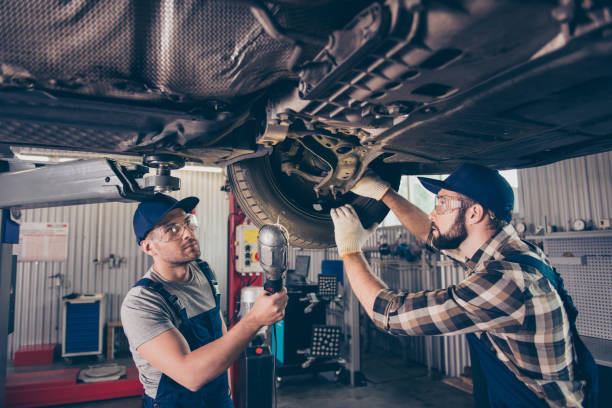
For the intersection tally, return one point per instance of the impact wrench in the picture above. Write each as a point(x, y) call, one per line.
point(272, 246)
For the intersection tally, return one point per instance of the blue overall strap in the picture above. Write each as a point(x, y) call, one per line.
point(172, 300)
point(587, 368)
point(210, 276)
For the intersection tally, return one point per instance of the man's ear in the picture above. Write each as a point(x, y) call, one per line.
point(146, 246)
point(475, 214)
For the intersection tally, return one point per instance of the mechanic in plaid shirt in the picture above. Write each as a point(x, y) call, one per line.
point(513, 308)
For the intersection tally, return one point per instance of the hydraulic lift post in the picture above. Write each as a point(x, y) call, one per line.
point(6, 267)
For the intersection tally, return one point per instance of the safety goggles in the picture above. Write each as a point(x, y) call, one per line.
point(446, 204)
point(174, 231)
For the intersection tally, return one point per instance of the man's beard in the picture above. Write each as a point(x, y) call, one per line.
point(455, 235)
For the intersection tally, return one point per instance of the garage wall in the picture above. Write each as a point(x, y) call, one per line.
point(564, 191)
point(95, 231)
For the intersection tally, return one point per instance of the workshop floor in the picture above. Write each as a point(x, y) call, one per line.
point(390, 383)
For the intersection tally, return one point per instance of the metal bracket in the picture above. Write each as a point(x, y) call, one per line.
point(275, 133)
point(345, 47)
point(346, 162)
point(274, 30)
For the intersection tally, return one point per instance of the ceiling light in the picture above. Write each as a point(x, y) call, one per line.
point(33, 158)
point(206, 169)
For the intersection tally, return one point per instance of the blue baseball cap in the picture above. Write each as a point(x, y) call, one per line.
point(149, 213)
point(483, 185)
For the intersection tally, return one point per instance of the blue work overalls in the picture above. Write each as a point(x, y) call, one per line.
point(496, 386)
point(198, 331)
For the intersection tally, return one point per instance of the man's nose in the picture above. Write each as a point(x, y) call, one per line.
point(432, 215)
point(187, 232)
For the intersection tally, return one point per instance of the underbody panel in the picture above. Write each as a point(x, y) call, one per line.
point(424, 85)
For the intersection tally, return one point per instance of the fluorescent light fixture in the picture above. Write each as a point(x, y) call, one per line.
point(206, 169)
point(66, 159)
point(33, 158)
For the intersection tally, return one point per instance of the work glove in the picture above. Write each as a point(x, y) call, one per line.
point(371, 186)
point(350, 235)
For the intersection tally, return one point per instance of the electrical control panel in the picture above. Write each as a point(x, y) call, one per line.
point(247, 257)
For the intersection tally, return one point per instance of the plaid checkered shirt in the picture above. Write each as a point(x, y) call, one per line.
point(512, 308)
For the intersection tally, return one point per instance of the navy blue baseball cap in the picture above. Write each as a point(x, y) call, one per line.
point(149, 213)
point(483, 185)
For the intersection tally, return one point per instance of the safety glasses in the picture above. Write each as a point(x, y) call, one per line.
point(174, 232)
point(446, 204)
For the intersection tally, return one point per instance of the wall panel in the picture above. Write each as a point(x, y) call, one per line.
point(570, 189)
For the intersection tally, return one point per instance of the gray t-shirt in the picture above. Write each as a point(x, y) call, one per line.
point(145, 315)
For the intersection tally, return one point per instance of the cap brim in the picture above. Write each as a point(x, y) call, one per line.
point(433, 185)
point(186, 204)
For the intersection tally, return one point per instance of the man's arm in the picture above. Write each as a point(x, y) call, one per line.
point(350, 237)
point(412, 217)
point(169, 351)
point(486, 300)
point(364, 284)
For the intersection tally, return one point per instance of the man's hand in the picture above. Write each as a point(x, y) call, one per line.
point(269, 308)
point(371, 186)
point(350, 235)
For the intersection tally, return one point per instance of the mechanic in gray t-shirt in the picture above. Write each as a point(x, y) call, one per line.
point(171, 318)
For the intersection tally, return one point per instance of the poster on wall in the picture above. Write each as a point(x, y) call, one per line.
point(42, 241)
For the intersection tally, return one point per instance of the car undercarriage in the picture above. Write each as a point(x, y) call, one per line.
point(300, 98)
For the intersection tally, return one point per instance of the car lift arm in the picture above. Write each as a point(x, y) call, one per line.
point(70, 183)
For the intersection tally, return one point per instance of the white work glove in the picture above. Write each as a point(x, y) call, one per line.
point(350, 235)
point(371, 186)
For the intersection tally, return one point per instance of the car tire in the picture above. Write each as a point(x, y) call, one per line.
point(255, 187)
